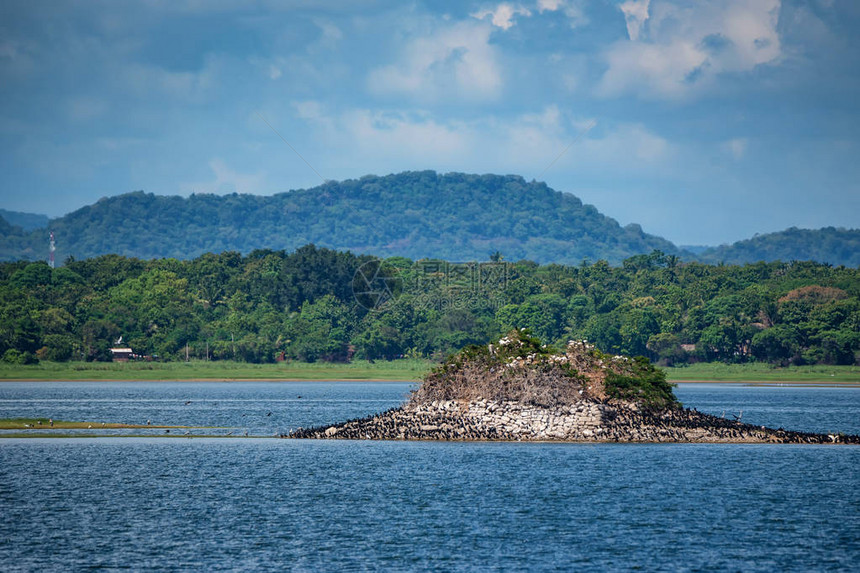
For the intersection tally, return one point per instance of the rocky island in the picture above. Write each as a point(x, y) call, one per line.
point(521, 390)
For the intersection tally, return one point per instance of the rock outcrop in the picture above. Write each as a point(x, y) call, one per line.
point(587, 421)
point(518, 390)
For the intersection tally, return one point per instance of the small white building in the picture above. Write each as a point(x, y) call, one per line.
point(122, 354)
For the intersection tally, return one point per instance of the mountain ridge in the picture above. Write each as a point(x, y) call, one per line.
point(421, 214)
point(834, 245)
point(417, 214)
point(27, 221)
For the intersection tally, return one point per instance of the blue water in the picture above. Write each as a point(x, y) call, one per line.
point(260, 408)
point(264, 504)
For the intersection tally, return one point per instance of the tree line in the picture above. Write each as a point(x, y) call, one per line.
point(320, 304)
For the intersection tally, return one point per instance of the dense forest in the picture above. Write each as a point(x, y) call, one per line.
point(414, 214)
point(836, 246)
point(454, 216)
point(26, 221)
point(320, 304)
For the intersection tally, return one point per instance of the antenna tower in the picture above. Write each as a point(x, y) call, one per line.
point(51, 250)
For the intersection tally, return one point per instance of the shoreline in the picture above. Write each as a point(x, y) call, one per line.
point(394, 371)
point(767, 383)
point(739, 442)
point(777, 383)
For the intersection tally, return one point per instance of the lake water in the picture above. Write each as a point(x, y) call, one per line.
point(153, 504)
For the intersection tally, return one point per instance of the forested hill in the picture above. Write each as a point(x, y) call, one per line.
point(829, 245)
point(27, 221)
point(414, 214)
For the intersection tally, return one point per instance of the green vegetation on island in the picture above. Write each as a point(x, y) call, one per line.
point(519, 368)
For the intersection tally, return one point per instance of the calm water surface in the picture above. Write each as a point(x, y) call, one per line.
point(203, 504)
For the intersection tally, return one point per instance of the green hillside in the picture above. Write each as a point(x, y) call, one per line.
point(827, 245)
point(453, 216)
point(27, 221)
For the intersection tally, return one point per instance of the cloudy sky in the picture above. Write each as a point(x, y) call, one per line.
point(705, 122)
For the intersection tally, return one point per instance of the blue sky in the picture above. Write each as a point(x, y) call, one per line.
point(712, 121)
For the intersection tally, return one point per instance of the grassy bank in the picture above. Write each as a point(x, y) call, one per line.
point(221, 370)
point(719, 372)
point(394, 371)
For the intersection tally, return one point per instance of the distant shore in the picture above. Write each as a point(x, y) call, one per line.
point(406, 370)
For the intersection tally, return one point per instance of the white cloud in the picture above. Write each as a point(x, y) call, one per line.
point(375, 140)
point(650, 69)
point(685, 47)
point(573, 9)
point(301, 62)
point(86, 108)
point(313, 112)
point(420, 140)
point(226, 180)
point(502, 15)
point(627, 148)
point(329, 39)
point(635, 14)
point(454, 62)
point(180, 85)
point(8, 50)
point(737, 147)
point(549, 5)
